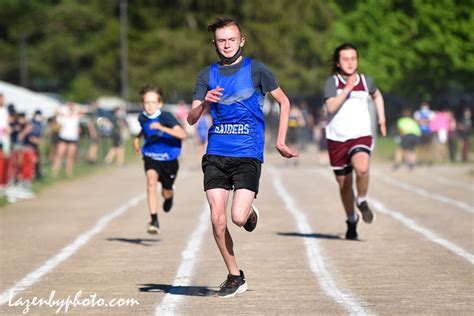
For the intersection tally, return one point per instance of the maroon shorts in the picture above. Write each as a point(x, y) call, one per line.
point(340, 153)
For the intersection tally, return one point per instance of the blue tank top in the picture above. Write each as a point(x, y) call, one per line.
point(237, 120)
point(160, 145)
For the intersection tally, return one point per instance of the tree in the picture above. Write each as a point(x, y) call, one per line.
point(415, 48)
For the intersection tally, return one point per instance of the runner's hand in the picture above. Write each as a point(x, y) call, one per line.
point(351, 80)
point(383, 128)
point(136, 146)
point(155, 125)
point(286, 152)
point(214, 95)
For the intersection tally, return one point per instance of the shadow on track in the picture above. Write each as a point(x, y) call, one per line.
point(137, 241)
point(178, 290)
point(314, 235)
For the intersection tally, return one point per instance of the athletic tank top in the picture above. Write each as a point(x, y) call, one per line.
point(238, 122)
point(159, 145)
point(352, 120)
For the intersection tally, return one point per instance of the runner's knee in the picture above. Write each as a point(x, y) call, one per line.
point(218, 221)
point(239, 219)
point(362, 171)
point(151, 182)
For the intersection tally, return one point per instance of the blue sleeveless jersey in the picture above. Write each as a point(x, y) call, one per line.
point(159, 145)
point(237, 120)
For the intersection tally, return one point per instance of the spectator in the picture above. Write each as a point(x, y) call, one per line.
point(440, 125)
point(465, 129)
point(33, 139)
point(320, 137)
point(68, 118)
point(117, 151)
point(424, 116)
point(452, 136)
point(4, 142)
point(93, 134)
point(409, 134)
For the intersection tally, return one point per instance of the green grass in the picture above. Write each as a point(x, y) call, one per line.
point(385, 148)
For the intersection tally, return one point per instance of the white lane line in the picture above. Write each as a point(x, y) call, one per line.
point(425, 193)
point(411, 224)
point(185, 272)
point(424, 231)
point(67, 251)
point(464, 186)
point(343, 297)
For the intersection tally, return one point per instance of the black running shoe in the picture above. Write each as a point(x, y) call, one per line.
point(168, 204)
point(153, 228)
point(351, 233)
point(367, 215)
point(235, 284)
point(252, 220)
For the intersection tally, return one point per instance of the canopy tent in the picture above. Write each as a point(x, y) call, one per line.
point(27, 101)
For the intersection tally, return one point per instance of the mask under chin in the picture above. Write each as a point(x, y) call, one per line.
point(230, 60)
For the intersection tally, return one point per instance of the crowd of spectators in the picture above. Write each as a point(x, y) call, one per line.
point(32, 148)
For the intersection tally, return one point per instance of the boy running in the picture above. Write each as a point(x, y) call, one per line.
point(160, 151)
point(234, 89)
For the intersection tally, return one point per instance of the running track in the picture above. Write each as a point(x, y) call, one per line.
point(88, 236)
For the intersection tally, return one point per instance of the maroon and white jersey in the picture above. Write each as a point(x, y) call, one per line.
point(352, 120)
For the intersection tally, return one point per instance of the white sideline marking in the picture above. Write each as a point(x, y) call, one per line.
point(185, 271)
point(67, 251)
point(424, 231)
point(316, 260)
point(464, 186)
point(408, 222)
point(425, 193)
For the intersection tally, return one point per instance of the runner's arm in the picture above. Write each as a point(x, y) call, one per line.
point(198, 106)
point(334, 103)
point(379, 105)
point(175, 131)
point(136, 142)
point(281, 98)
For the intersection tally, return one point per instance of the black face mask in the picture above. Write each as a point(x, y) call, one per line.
point(230, 60)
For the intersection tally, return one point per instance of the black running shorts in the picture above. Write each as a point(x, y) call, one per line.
point(409, 141)
point(167, 171)
point(231, 173)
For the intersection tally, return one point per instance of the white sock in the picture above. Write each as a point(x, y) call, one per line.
point(353, 218)
point(361, 199)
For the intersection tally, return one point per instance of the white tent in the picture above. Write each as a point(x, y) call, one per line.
point(28, 101)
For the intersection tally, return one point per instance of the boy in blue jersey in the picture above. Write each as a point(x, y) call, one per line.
point(160, 151)
point(233, 90)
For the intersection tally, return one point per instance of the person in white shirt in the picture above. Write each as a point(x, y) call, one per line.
point(347, 94)
point(69, 119)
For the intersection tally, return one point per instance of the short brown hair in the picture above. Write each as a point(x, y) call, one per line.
point(222, 22)
point(150, 88)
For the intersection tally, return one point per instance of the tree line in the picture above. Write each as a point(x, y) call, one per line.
point(414, 49)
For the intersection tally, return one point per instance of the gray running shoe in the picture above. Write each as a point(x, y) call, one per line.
point(367, 215)
point(153, 228)
point(235, 284)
